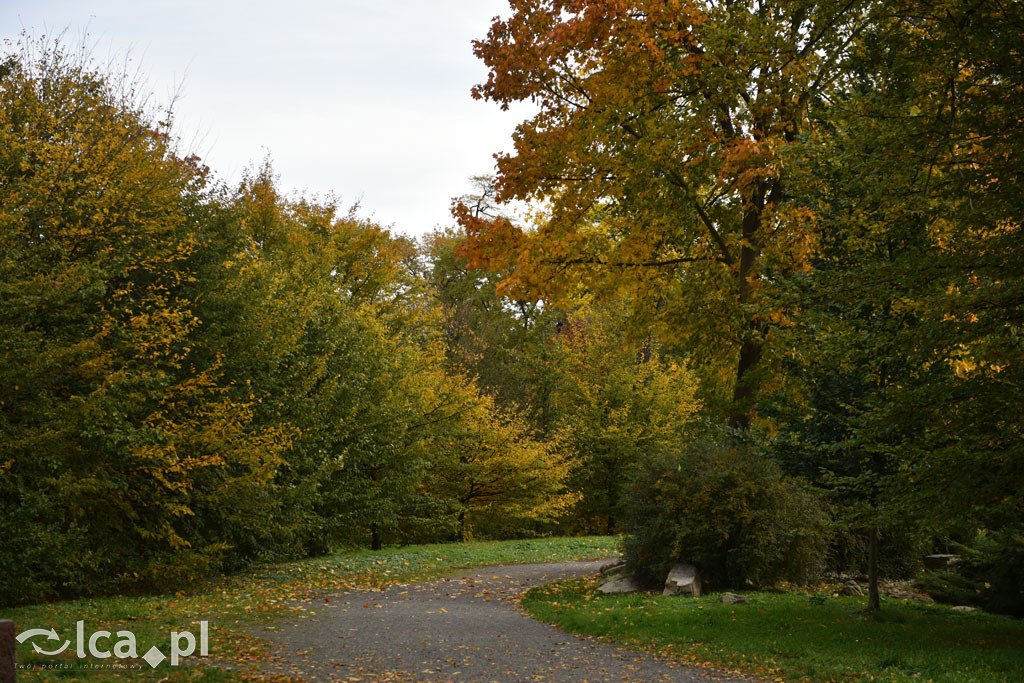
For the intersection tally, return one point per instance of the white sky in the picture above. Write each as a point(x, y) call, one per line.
point(368, 99)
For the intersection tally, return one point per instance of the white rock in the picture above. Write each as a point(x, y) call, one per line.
point(619, 583)
point(682, 580)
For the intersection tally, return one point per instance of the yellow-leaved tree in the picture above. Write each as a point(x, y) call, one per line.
point(114, 432)
point(618, 402)
point(492, 474)
point(658, 150)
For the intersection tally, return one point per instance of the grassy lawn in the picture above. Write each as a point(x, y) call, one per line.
point(234, 603)
point(796, 636)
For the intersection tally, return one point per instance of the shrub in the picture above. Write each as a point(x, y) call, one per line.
point(990, 574)
point(727, 509)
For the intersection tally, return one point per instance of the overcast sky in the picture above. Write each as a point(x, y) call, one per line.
point(366, 98)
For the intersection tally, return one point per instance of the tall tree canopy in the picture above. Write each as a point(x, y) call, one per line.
point(908, 326)
point(657, 148)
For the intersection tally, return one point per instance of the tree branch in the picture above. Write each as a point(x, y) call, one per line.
point(634, 264)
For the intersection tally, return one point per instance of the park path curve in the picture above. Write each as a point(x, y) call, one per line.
point(465, 627)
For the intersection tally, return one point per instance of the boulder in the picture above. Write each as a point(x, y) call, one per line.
point(941, 561)
point(619, 582)
point(612, 566)
point(734, 599)
point(851, 588)
point(683, 580)
point(964, 608)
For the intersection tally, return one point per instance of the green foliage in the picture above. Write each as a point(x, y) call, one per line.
point(817, 445)
point(197, 377)
point(727, 509)
point(814, 207)
point(990, 574)
point(900, 549)
point(503, 343)
point(906, 331)
point(616, 401)
point(118, 435)
point(580, 378)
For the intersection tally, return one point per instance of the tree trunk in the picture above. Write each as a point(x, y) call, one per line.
point(462, 526)
point(874, 602)
point(374, 538)
point(745, 391)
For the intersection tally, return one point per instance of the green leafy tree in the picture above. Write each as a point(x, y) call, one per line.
point(913, 297)
point(344, 344)
point(617, 401)
point(503, 343)
point(116, 433)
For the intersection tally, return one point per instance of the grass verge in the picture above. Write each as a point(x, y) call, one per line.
point(233, 604)
point(796, 636)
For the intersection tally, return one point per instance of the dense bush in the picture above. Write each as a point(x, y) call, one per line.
point(990, 574)
point(727, 509)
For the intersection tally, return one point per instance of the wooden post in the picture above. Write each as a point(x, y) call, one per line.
point(7, 644)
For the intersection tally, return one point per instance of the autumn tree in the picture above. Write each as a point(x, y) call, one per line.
point(617, 401)
point(341, 338)
point(658, 153)
point(195, 377)
point(493, 475)
point(115, 433)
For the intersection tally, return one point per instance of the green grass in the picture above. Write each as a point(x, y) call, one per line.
point(232, 604)
point(796, 636)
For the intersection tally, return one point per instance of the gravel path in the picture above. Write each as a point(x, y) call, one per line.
point(463, 628)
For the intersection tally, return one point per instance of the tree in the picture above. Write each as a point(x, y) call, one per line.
point(617, 401)
point(658, 149)
point(195, 377)
point(913, 299)
point(503, 343)
point(115, 433)
point(492, 474)
point(344, 343)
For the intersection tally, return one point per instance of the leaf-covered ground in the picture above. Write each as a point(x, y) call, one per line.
point(234, 604)
point(796, 636)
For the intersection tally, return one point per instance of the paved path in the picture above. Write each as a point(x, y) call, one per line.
point(464, 628)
